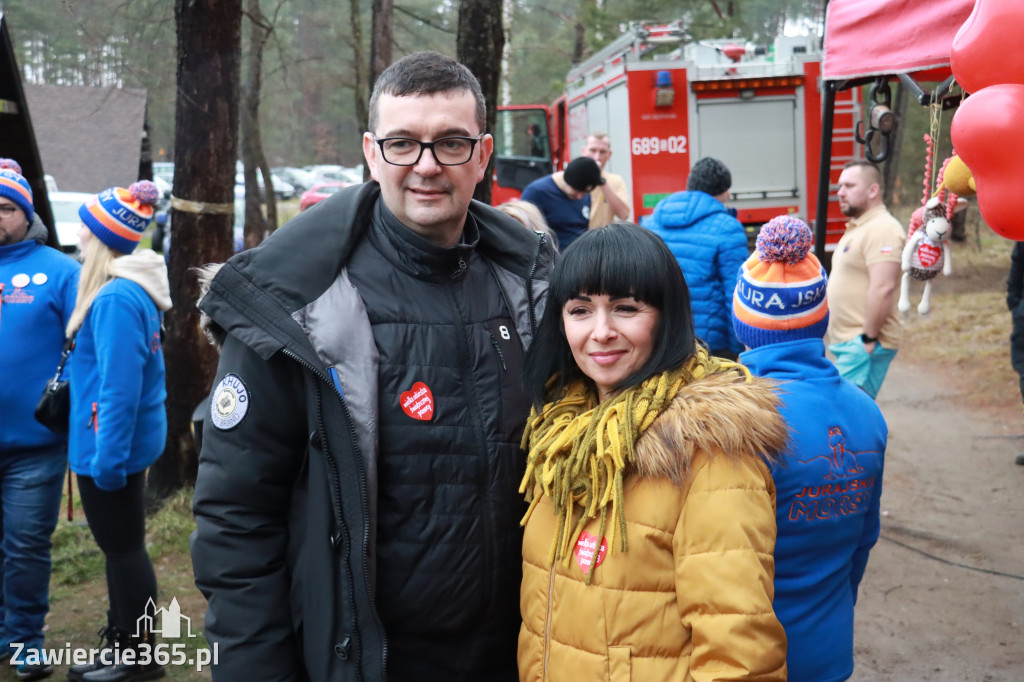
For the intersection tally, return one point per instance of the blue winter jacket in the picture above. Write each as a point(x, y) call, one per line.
point(39, 285)
point(118, 422)
point(710, 246)
point(828, 489)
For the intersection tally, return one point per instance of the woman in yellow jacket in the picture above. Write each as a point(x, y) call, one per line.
point(647, 553)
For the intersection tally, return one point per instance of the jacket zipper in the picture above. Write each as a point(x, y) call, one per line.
point(94, 420)
point(547, 623)
point(482, 445)
point(501, 356)
point(336, 478)
point(529, 282)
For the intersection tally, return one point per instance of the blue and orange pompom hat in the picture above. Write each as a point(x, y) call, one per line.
point(780, 289)
point(119, 216)
point(15, 187)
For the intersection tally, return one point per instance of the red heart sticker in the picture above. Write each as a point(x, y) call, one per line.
point(584, 551)
point(928, 255)
point(418, 402)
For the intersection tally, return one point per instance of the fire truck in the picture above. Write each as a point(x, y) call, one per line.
point(666, 101)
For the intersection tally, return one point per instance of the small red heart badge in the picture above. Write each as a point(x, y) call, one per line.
point(928, 255)
point(418, 402)
point(584, 552)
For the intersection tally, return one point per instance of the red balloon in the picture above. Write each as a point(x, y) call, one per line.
point(988, 134)
point(986, 50)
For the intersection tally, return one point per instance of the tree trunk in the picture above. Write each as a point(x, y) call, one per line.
point(359, 63)
point(480, 41)
point(381, 39)
point(253, 158)
point(206, 124)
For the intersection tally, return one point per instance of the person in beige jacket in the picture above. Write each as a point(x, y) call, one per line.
point(648, 546)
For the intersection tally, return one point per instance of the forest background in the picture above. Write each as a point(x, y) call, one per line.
point(312, 60)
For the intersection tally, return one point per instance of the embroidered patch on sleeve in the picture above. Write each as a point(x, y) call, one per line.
point(229, 403)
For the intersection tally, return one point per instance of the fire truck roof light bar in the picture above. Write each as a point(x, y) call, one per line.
point(746, 83)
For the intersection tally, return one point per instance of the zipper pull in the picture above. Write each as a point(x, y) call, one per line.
point(94, 422)
point(501, 356)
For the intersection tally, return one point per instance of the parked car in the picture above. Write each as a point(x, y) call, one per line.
point(330, 173)
point(318, 193)
point(282, 188)
point(164, 186)
point(301, 178)
point(163, 170)
point(64, 206)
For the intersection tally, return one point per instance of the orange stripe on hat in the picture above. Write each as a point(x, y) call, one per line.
point(111, 223)
point(17, 187)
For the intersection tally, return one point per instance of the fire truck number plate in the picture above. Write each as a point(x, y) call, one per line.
point(659, 145)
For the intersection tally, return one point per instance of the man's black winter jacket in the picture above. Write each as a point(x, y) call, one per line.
point(286, 499)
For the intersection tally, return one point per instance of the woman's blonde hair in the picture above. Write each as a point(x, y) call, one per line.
point(529, 216)
point(97, 259)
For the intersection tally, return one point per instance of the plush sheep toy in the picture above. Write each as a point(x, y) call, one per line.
point(926, 253)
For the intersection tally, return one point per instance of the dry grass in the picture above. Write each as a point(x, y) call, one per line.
point(965, 337)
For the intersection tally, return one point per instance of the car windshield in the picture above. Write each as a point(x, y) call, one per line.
point(329, 189)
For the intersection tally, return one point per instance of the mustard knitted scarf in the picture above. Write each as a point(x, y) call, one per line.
point(578, 449)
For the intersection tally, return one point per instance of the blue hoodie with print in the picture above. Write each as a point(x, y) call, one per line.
point(828, 489)
point(38, 286)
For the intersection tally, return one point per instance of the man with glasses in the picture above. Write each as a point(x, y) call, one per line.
point(38, 286)
point(356, 506)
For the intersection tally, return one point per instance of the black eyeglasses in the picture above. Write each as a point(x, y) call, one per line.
point(448, 151)
point(6, 211)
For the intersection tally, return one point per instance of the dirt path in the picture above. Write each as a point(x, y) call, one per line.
point(953, 492)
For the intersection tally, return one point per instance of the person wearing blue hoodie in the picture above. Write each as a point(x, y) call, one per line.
point(829, 484)
point(710, 245)
point(118, 423)
point(37, 295)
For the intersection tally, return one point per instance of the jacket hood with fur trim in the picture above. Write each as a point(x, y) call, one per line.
point(723, 415)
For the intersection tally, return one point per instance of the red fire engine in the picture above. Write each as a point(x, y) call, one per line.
point(666, 101)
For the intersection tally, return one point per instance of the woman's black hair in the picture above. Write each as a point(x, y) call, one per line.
point(622, 259)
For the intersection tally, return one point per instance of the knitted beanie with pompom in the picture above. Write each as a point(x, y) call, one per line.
point(780, 290)
point(14, 187)
point(119, 216)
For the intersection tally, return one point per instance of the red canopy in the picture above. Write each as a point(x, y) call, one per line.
point(881, 37)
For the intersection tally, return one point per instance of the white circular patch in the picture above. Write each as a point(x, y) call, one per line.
point(20, 280)
point(39, 278)
point(229, 403)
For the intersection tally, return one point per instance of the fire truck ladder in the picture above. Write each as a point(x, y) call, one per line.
point(638, 41)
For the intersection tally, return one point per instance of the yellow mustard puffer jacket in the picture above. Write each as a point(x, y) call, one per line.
point(691, 598)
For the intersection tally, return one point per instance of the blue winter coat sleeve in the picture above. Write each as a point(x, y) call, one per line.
point(869, 536)
point(122, 350)
point(729, 260)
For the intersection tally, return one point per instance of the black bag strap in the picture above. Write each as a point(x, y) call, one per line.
point(69, 345)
